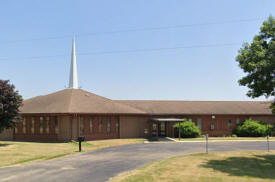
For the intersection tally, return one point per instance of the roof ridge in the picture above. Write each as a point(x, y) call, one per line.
point(132, 107)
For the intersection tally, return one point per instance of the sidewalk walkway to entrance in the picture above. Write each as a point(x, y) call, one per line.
point(160, 140)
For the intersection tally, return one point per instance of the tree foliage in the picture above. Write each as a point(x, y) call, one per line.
point(188, 129)
point(10, 101)
point(257, 60)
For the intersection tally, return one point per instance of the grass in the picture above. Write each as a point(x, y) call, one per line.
point(226, 138)
point(12, 152)
point(213, 167)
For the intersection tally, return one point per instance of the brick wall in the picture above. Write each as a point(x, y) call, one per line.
point(36, 135)
point(95, 133)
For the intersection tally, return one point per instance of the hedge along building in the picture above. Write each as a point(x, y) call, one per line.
point(73, 112)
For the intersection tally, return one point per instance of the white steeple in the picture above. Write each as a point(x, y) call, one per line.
point(73, 83)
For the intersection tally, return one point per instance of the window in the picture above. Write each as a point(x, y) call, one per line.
point(117, 124)
point(100, 124)
point(32, 125)
point(91, 124)
point(56, 127)
point(47, 125)
point(108, 124)
point(237, 121)
point(212, 126)
point(24, 125)
point(154, 129)
point(81, 127)
point(41, 120)
point(15, 129)
point(229, 124)
point(199, 123)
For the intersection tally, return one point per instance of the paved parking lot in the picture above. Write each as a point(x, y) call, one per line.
point(100, 165)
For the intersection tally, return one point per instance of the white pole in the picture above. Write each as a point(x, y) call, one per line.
point(267, 139)
point(206, 138)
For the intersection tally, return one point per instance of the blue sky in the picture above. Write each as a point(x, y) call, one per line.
point(198, 73)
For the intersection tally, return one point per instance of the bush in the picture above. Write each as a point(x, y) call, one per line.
point(251, 128)
point(188, 129)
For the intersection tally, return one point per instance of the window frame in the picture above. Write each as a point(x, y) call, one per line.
point(81, 125)
point(48, 125)
point(108, 125)
point(229, 124)
point(100, 124)
point(24, 126)
point(56, 125)
point(117, 125)
point(41, 125)
point(212, 126)
point(238, 121)
point(32, 125)
point(199, 123)
point(91, 124)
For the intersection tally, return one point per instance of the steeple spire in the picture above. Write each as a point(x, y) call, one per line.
point(73, 83)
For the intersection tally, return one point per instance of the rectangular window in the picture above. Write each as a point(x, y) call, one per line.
point(48, 125)
point(16, 129)
point(41, 121)
point(212, 126)
point(24, 125)
point(237, 121)
point(229, 124)
point(81, 127)
point(91, 124)
point(99, 124)
point(199, 123)
point(56, 127)
point(32, 125)
point(117, 124)
point(154, 129)
point(108, 124)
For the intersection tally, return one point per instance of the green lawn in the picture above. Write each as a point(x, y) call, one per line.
point(214, 167)
point(12, 152)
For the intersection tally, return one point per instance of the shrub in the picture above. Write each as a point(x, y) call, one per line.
point(188, 129)
point(234, 135)
point(251, 128)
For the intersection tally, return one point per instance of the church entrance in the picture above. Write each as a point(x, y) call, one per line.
point(159, 129)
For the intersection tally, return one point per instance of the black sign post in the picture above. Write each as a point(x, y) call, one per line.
point(80, 139)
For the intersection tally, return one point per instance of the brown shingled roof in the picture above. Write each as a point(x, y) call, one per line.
point(201, 107)
point(80, 101)
point(75, 101)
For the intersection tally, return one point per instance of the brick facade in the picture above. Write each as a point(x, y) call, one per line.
point(123, 126)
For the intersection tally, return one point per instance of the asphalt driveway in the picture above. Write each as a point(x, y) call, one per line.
point(103, 164)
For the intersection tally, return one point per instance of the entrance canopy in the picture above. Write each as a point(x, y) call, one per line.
point(168, 119)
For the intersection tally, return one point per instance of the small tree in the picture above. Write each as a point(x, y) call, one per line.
point(10, 101)
point(188, 129)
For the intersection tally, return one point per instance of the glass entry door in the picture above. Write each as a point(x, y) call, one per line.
point(162, 129)
point(159, 129)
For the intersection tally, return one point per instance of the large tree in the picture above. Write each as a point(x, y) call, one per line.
point(10, 101)
point(257, 60)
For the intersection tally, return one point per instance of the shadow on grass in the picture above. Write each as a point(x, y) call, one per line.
point(4, 144)
point(259, 166)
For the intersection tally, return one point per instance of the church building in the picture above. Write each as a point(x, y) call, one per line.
point(73, 112)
